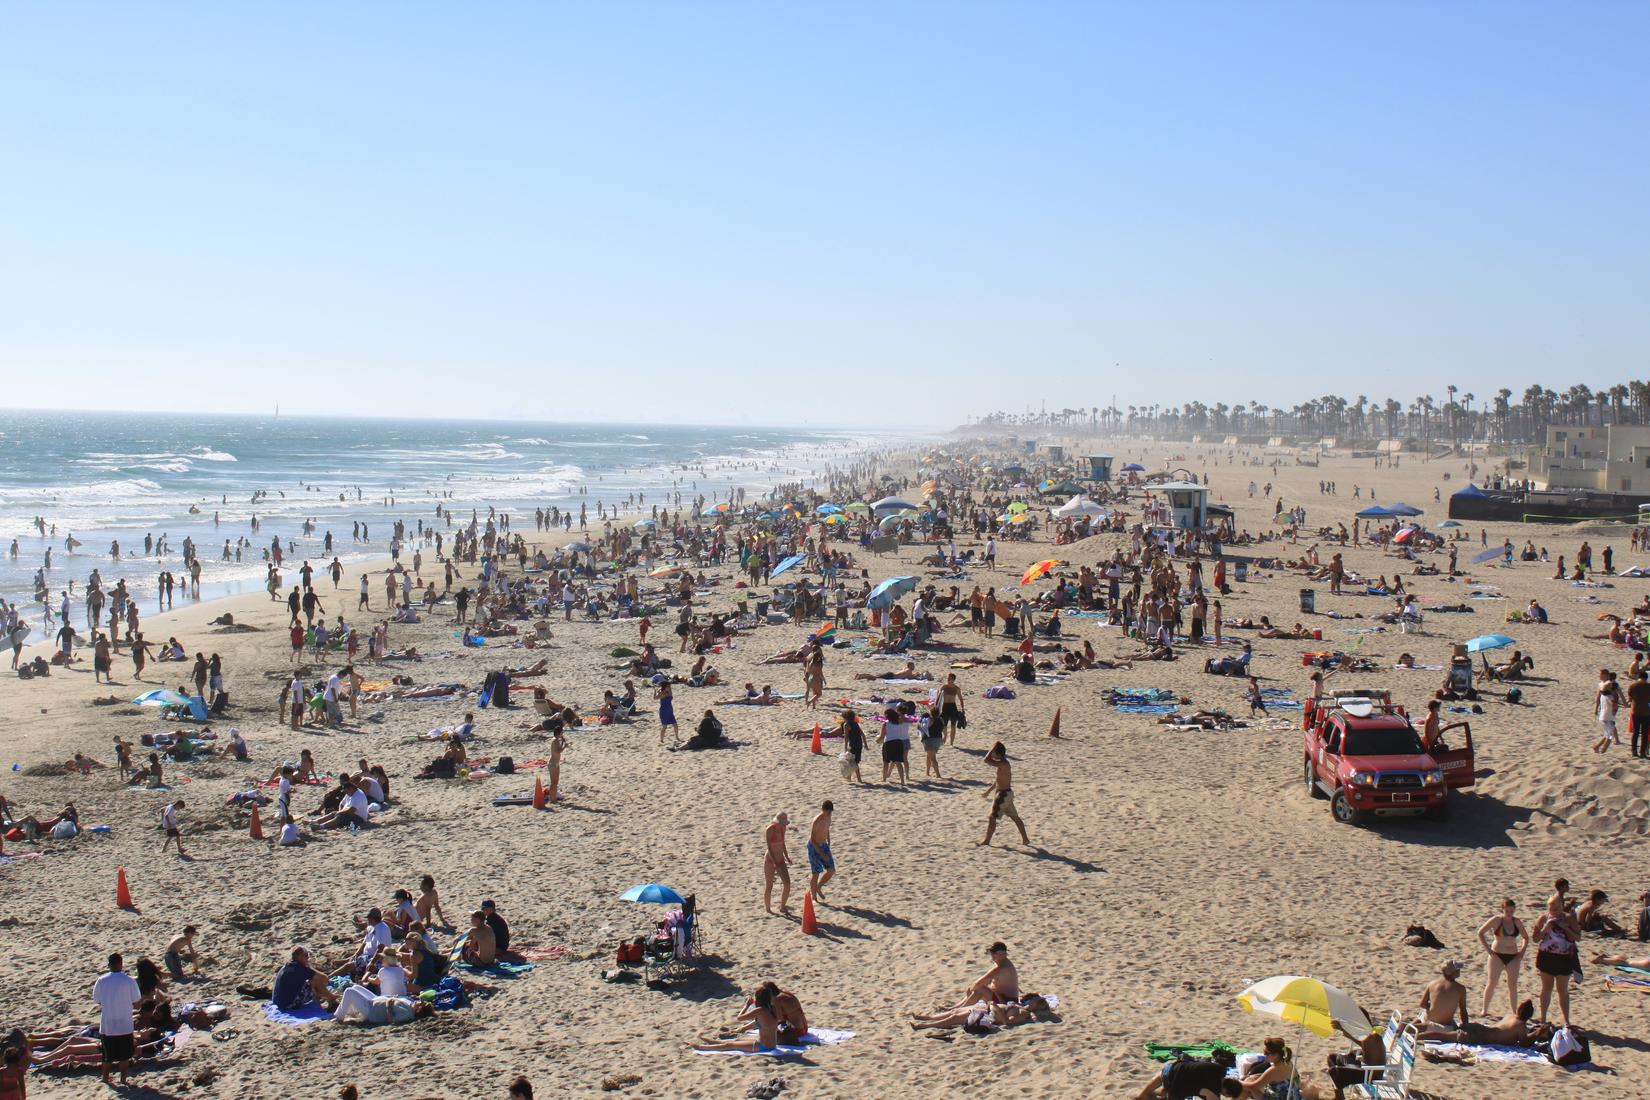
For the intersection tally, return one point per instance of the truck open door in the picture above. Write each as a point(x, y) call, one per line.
point(1454, 755)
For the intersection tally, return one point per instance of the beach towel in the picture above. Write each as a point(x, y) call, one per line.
point(308, 1014)
point(1168, 1052)
point(1418, 668)
point(499, 969)
point(816, 1037)
point(1147, 708)
point(1615, 983)
point(1493, 1055)
point(1640, 971)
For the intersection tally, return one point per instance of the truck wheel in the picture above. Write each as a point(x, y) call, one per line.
point(1439, 812)
point(1312, 787)
point(1344, 811)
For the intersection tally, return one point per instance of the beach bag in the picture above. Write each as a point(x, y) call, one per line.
point(506, 765)
point(1569, 1047)
point(65, 830)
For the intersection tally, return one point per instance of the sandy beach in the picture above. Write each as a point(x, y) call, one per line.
point(1167, 870)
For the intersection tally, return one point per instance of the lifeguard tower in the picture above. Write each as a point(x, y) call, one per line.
point(1188, 504)
point(1056, 453)
point(1099, 467)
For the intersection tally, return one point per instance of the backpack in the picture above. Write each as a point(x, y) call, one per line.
point(506, 765)
point(1569, 1047)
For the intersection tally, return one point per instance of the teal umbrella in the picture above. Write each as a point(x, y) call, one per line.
point(654, 893)
point(1488, 641)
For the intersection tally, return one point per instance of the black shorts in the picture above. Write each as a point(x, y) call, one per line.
point(118, 1048)
point(893, 752)
point(1557, 963)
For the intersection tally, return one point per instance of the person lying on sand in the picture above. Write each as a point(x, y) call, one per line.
point(753, 698)
point(1193, 1079)
point(909, 672)
point(1203, 719)
point(984, 1016)
point(1517, 1029)
point(1298, 631)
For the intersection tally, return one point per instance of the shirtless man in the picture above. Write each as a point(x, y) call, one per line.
point(776, 862)
point(481, 949)
point(820, 862)
point(1445, 998)
point(1003, 788)
point(1517, 1029)
point(999, 984)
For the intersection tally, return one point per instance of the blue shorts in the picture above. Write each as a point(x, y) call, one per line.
point(819, 858)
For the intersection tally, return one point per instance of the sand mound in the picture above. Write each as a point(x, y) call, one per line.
point(1596, 798)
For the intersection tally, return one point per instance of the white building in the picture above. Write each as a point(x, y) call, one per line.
point(1611, 459)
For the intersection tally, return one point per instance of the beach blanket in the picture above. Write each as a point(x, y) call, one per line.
point(1494, 1054)
point(1640, 971)
point(170, 1045)
point(1168, 1052)
point(499, 969)
point(308, 1014)
point(1146, 708)
point(816, 1037)
point(1418, 668)
point(1617, 984)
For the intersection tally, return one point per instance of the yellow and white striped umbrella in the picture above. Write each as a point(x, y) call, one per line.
point(1316, 1006)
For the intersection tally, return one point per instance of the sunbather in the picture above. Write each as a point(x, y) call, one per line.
point(1516, 1029)
point(793, 1022)
point(984, 1016)
point(1193, 1079)
point(766, 1040)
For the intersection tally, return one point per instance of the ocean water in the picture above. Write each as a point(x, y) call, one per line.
point(106, 477)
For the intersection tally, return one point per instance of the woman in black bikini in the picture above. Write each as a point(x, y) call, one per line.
point(1505, 940)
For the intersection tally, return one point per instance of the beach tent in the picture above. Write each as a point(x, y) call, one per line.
point(1469, 490)
point(1080, 506)
point(1402, 509)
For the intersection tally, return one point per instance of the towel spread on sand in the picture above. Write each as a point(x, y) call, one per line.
point(1168, 1052)
point(498, 969)
point(816, 1037)
point(308, 1014)
point(1496, 1054)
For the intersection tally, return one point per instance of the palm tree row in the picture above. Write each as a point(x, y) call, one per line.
point(1461, 417)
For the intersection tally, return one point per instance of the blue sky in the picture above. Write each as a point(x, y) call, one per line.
point(847, 213)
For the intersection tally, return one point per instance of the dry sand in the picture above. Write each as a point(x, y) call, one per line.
point(1169, 869)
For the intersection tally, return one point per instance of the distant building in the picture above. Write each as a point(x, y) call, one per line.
point(1611, 459)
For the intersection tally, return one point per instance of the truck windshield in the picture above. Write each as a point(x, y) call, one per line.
point(1389, 741)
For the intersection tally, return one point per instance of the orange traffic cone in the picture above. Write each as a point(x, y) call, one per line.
point(816, 748)
point(256, 832)
point(809, 924)
point(539, 797)
point(1054, 729)
point(123, 896)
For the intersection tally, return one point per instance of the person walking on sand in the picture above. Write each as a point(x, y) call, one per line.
point(776, 863)
point(821, 864)
point(169, 823)
point(667, 713)
point(1002, 786)
point(1607, 702)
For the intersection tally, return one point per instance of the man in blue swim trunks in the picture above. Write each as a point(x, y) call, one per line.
point(820, 862)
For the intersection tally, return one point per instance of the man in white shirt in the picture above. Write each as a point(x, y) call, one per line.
point(335, 715)
point(117, 996)
point(169, 823)
point(377, 936)
point(352, 810)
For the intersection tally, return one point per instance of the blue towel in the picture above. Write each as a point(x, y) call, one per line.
point(1143, 708)
point(498, 969)
point(308, 1014)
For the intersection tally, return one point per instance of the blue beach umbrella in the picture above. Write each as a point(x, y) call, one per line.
point(789, 563)
point(1402, 509)
point(1449, 523)
point(1488, 641)
point(828, 509)
point(652, 893)
point(161, 697)
point(1375, 511)
point(1134, 467)
point(884, 594)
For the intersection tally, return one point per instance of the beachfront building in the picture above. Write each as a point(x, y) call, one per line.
point(1614, 458)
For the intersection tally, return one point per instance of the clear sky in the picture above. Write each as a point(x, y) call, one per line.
point(815, 213)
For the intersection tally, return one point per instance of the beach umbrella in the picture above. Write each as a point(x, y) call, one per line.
point(890, 522)
point(646, 523)
point(1486, 555)
point(1317, 1006)
point(884, 594)
point(161, 697)
point(652, 893)
point(1375, 511)
point(893, 504)
point(828, 509)
point(665, 570)
point(1488, 641)
point(1038, 570)
point(835, 519)
point(1021, 517)
point(1402, 509)
point(1018, 506)
point(856, 506)
point(789, 563)
point(577, 547)
point(1134, 467)
point(715, 510)
point(1405, 535)
point(1449, 523)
